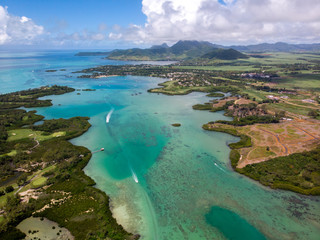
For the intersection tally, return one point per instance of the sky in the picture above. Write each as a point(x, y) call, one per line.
point(108, 24)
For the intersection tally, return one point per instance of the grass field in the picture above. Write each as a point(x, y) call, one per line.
point(18, 134)
point(260, 152)
point(38, 182)
point(288, 107)
point(269, 61)
point(171, 89)
point(258, 95)
point(12, 153)
point(300, 81)
point(222, 68)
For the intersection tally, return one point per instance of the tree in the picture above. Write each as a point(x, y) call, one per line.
point(313, 113)
point(280, 114)
point(22, 179)
point(9, 189)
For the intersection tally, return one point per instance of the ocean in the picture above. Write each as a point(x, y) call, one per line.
point(164, 182)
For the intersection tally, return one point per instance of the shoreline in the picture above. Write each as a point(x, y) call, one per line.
point(235, 157)
point(74, 179)
point(105, 76)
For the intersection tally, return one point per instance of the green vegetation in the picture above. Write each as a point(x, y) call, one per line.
point(12, 233)
point(193, 49)
point(264, 87)
point(224, 54)
point(18, 134)
point(215, 94)
point(290, 108)
point(46, 156)
point(29, 98)
point(176, 124)
point(308, 80)
point(210, 106)
point(180, 50)
point(81, 208)
point(245, 141)
point(9, 189)
point(39, 182)
point(298, 172)
point(249, 120)
point(205, 106)
point(216, 65)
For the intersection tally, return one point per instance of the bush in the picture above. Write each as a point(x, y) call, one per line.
point(234, 158)
point(22, 179)
point(206, 106)
point(313, 113)
point(9, 189)
point(249, 120)
point(297, 172)
point(12, 233)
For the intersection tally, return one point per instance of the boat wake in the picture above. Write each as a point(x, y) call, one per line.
point(109, 115)
point(219, 167)
point(134, 176)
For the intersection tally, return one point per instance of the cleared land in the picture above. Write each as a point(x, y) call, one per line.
point(274, 140)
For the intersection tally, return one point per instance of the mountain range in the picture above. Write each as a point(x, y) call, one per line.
point(185, 50)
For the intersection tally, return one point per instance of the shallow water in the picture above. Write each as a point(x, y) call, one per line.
point(164, 182)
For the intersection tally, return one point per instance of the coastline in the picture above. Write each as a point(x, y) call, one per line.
point(276, 208)
point(244, 142)
point(74, 178)
point(247, 111)
point(105, 76)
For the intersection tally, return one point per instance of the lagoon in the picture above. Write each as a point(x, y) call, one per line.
point(164, 182)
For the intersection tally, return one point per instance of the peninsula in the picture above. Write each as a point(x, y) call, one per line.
point(41, 172)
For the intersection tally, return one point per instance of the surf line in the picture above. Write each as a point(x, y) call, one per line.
point(109, 115)
point(219, 167)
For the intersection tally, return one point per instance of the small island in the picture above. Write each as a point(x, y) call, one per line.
point(176, 124)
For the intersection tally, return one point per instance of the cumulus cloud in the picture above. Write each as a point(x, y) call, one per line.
point(227, 21)
point(14, 29)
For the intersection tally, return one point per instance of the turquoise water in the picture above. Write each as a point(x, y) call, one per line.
point(224, 220)
point(164, 182)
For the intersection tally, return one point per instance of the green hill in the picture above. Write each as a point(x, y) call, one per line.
point(224, 54)
point(182, 50)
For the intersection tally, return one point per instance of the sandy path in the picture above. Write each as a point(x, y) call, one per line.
point(36, 144)
point(286, 151)
point(302, 106)
point(305, 132)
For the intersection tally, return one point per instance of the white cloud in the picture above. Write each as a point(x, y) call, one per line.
point(236, 21)
point(17, 30)
point(219, 21)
